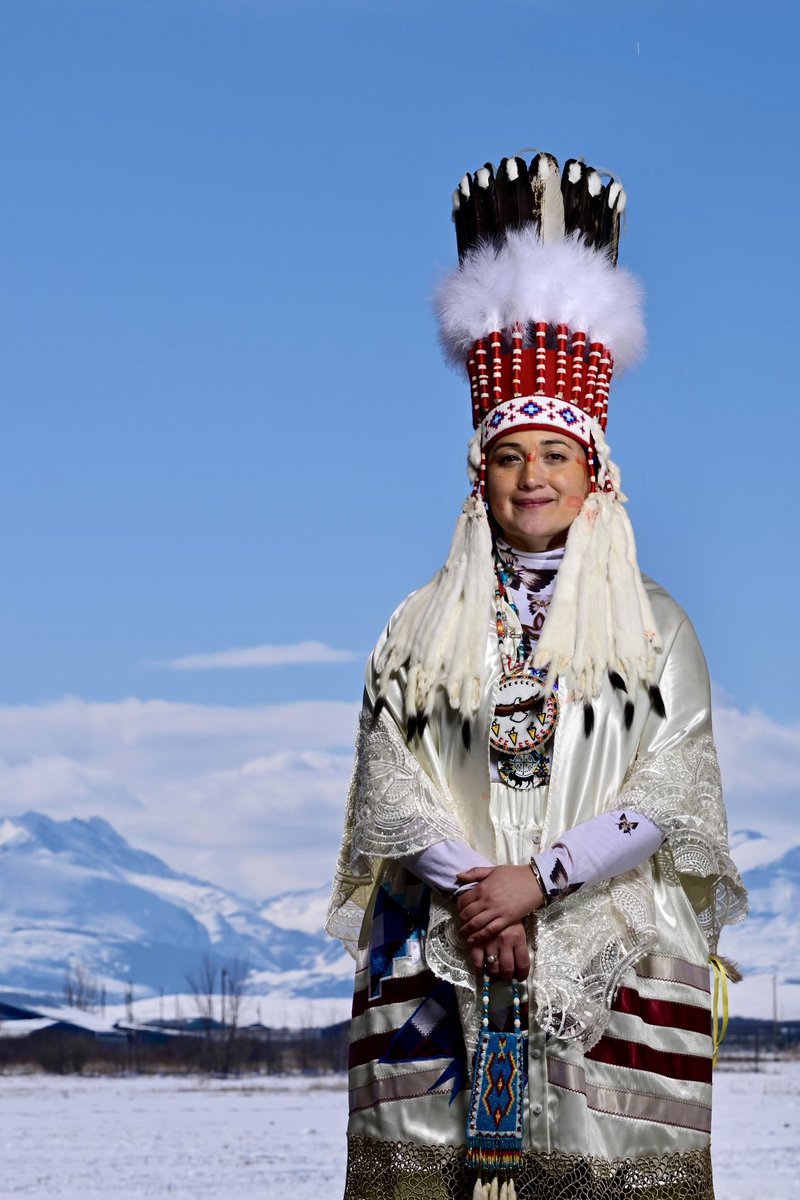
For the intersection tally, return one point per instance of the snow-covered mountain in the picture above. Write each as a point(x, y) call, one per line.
point(77, 892)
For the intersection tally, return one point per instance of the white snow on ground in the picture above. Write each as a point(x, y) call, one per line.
point(80, 1138)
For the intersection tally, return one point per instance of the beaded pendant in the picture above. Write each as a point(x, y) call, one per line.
point(494, 1119)
point(528, 770)
point(523, 720)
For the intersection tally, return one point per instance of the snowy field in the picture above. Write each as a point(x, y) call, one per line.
point(188, 1139)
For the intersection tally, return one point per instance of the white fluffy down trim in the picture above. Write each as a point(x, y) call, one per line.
point(524, 280)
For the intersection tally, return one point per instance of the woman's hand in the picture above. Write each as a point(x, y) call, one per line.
point(511, 950)
point(504, 896)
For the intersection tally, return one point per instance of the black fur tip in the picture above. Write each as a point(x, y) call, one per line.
point(411, 729)
point(466, 734)
point(380, 705)
point(657, 700)
point(617, 681)
point(628, 713)
point(422, 723)
point(588, 719)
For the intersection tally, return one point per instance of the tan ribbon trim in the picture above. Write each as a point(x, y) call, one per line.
point(638, 1105)
point(397, 1087)
point(674, 970)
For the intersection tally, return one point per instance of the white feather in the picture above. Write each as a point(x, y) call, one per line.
point(552, 210)
point(562, 281)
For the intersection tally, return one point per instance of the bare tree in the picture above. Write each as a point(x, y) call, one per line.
point(203, 986)
point(80, 988)
point(233, 987)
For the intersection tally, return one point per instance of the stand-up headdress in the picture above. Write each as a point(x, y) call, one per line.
point(541, 315)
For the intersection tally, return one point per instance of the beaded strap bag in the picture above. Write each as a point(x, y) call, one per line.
point(494, 1120)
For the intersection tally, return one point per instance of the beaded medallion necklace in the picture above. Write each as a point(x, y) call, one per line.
point(524, 719)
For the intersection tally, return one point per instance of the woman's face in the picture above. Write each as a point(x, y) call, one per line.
point(536, 482)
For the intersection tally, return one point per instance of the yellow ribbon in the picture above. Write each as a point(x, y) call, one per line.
point(720, 984)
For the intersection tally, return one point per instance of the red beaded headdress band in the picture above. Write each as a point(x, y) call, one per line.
point(537, 306)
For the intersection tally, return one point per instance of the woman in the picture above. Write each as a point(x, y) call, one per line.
point(534, 868)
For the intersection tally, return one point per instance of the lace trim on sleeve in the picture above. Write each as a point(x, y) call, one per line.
point(393, 808)
point(351, 889)
point(398, 808)
point(680, 790)
point(583, 947)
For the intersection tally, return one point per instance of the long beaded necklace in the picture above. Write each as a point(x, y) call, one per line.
point(524, 718)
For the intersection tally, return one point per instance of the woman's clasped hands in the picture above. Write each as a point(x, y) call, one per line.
point(492, 916)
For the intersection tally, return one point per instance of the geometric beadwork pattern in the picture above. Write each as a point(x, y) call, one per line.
point(540, 412)
point(494, 1120)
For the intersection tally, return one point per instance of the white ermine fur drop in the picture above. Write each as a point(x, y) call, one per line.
point(561, 281)
point(439, 635)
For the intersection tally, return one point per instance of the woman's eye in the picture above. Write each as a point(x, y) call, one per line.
point(555, 456)
point(508, 460)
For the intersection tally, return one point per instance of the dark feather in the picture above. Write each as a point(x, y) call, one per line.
point(505, 194)
point(609, 224)
point(422, 723)
point(464, 218)
point(523, 193)
point(657, 700)
point(411, 729)
point(592, 212)
point(617, 681)
point(485, 205)
point(575, 196)
point(588, 719)
point(466, 734)
point(629, 710)
point(380, 705)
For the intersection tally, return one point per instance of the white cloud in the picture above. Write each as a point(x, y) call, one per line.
point(249, 797)
point(252, 797)
point(760, 760)
point(263, 656)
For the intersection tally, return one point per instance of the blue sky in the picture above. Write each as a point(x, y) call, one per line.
point(226, 422)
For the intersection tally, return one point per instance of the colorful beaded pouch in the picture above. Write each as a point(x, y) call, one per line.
point(494, 1120)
